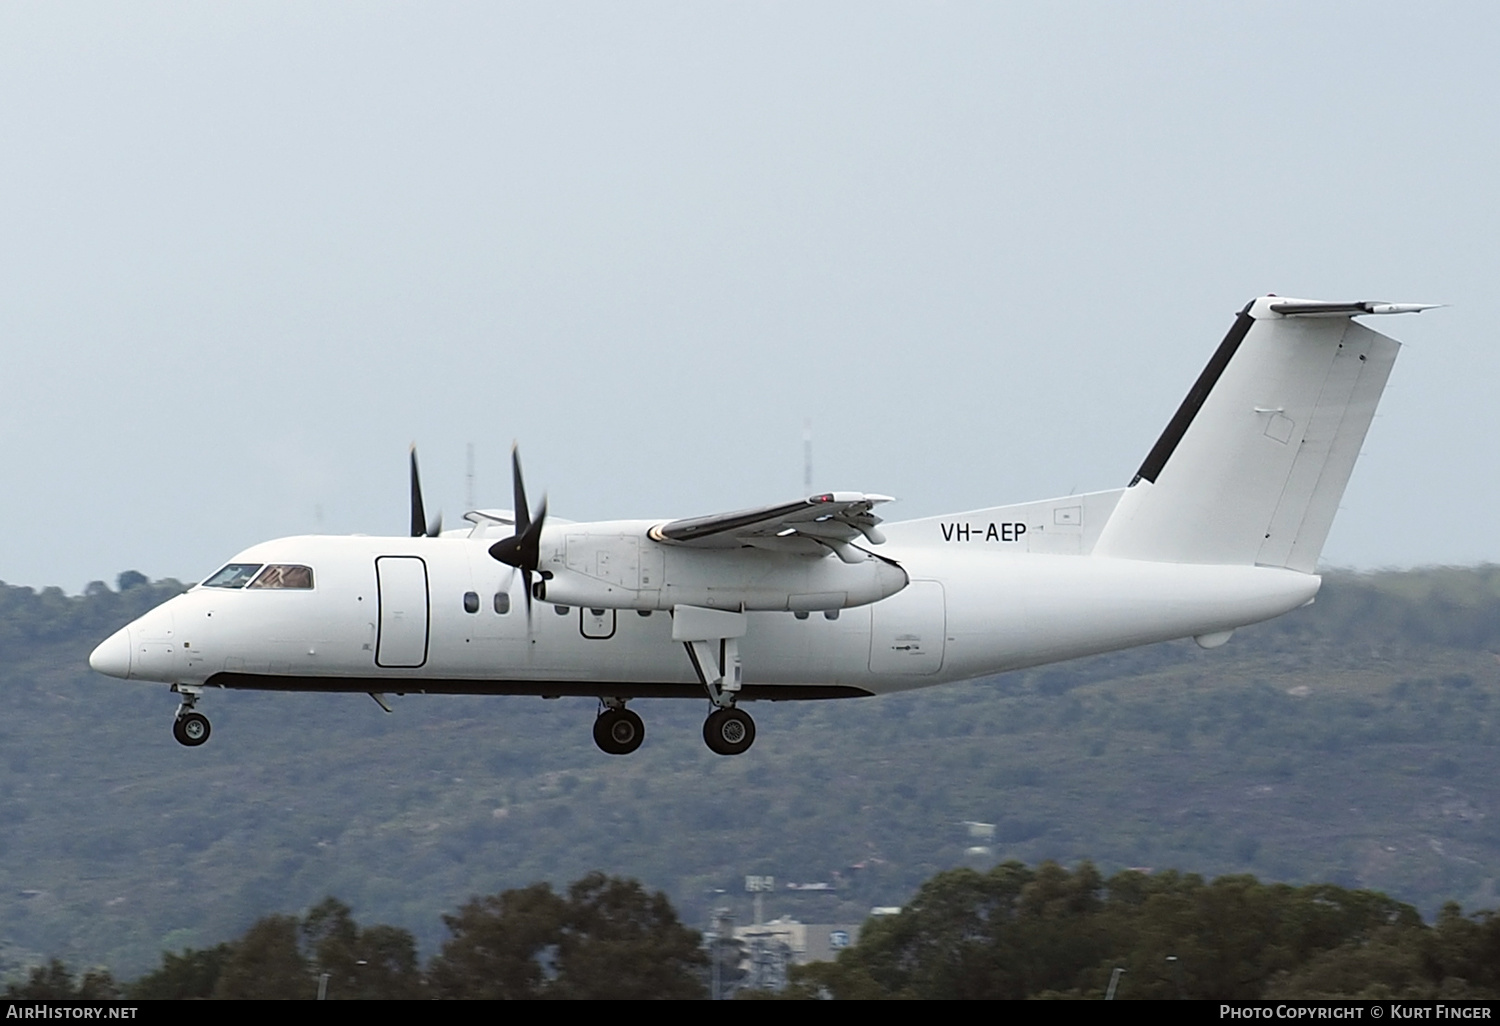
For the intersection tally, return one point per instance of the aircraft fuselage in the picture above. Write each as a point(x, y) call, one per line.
point(434, 626)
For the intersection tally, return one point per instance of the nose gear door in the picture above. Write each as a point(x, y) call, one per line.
point(402, 641)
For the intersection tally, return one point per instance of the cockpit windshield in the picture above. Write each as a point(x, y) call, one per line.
point(235, 575)
point(284, 575)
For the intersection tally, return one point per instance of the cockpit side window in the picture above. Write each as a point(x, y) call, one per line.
point(235, 575)
point(284, 575)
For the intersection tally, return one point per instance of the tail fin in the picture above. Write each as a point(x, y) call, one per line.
point(1252, 467)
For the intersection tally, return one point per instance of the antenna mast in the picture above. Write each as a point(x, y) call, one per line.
point(807, 455)
point(470, 478)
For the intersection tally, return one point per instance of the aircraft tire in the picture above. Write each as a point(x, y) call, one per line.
point(618, 731)
point(729, 731)
point(191, 729)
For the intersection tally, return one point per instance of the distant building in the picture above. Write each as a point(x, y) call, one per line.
point(979, 831)
point(802, 942)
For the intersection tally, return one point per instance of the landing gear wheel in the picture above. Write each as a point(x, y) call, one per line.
point(618, 731)
point(191, 729)
point(729, 731)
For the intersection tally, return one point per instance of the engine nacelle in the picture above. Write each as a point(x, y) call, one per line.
point(602, 570)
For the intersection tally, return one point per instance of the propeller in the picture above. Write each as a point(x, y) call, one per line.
point(522, 550)
point(420, 525)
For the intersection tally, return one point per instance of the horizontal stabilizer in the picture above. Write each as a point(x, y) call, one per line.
point(1318, 308)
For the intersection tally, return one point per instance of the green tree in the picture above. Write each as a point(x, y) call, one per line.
point(1018, 933)
point(373, 963)
point(504, 946)
point(607, 939)
point(192, 974)
point(1010, 933)
point(131, 579)
point(621, 943)
point(53, 981)
point(1387, 966)
point(266, 963)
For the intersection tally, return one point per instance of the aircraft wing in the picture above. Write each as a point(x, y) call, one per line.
point(811, 526)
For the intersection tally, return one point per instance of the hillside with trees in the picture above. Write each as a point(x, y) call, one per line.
point(1351, 743)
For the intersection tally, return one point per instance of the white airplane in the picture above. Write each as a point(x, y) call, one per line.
point(813, 599)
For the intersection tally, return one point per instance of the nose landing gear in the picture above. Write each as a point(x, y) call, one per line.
point(190, 728)
point(617, 730)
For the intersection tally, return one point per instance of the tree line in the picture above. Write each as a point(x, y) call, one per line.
point(1017, 932)
point(1014, 932)
point(604, 938)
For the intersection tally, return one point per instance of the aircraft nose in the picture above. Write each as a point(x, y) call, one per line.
point(112, 657)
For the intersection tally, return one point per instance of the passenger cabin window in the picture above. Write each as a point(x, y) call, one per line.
point(471, 601)
point(235, 575)
point(284, 575)
point(502, 602)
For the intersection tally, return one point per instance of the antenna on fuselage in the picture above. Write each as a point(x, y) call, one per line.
point(807, 455)
point(469, 480)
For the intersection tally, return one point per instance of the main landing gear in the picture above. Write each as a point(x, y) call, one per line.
point(191, 728)
point(711, 638)
point(728, 731)
point(617, 730)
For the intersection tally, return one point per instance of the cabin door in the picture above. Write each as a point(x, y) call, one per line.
point(403, 611)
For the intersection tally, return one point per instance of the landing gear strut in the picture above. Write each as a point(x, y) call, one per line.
point(191, 728)
point(617, 730)
point(712, 639)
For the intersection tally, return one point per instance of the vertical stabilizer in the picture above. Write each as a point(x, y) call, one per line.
point(1251, 468)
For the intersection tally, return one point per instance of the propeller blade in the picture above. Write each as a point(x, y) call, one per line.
point(418, 515)
point(526, 580)
point(518, 490)
point(420, 525)
point(531, 538)
point(523, 549)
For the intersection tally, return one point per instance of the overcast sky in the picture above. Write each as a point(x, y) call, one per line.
point(248, 252)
